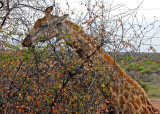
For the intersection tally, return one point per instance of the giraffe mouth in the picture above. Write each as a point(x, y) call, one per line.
point(27, 41)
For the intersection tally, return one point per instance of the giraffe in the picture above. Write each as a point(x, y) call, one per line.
point(126, 95)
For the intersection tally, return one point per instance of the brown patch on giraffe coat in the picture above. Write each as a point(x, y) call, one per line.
point(136, 107)
point(143, 100)
point(126, 95)
point(148, 103)
point(138, 102)
point(121, 90)
point(127, 88)
point(144, 110)
point(115, 88)
point(126, 110)
point(150, 109)
point(132, 98)
point(122, 101)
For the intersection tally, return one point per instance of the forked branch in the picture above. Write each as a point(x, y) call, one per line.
point(2, 4)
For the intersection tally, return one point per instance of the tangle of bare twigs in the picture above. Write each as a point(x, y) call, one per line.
point(2, 4)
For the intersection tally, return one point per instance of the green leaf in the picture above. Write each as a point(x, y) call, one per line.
point(47, 100)
point(63, 32)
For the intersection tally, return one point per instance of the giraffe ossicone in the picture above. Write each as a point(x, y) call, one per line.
point(127, 96)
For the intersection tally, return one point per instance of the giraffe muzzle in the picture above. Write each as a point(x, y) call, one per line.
point(27, 41)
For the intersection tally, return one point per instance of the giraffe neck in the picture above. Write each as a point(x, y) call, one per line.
point(126, 94)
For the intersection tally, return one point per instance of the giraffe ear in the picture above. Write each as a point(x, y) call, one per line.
point(64, 17)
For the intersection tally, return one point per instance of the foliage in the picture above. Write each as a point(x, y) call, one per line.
point(144, 85)
point(146, 71)
point(144, 66)
point(154, 90)
point(35, 82)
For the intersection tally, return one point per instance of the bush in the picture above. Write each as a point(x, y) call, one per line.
point(143, 85)
point(130, 67)
point(146, 71)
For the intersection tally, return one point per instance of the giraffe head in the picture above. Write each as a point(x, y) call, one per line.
point(45, 28)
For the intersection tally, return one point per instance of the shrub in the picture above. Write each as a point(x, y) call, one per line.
point(143, 85)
